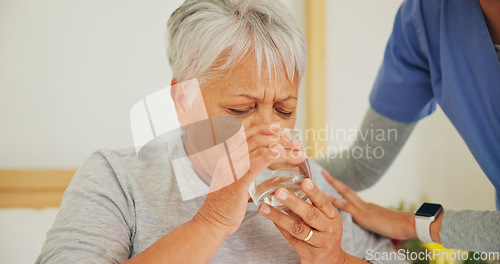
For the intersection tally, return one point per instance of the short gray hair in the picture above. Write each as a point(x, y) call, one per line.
point(206, 37)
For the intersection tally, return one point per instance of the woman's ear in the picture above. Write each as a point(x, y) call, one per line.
point(188, 101)
point(179, 99)
point(174, 82)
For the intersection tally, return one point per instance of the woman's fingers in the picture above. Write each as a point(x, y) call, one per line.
point(283, 155)
point(292, 214)
point(310, 214)
point(263, 157)
point(294, 227)
point(318, 198)
point(259, 160)
point(297, 244)
point(314, 231)
point(239, 145)
point(266, 135)
point(265, 129)
point(259, 140)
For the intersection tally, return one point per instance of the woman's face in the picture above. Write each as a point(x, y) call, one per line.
point(239, 93)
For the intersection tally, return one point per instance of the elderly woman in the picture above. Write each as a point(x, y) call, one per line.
point(248, 57)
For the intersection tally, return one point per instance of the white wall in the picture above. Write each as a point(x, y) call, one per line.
point(71, 70)
point(435, 164)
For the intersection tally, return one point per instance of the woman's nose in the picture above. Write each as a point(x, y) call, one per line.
point(265, 116)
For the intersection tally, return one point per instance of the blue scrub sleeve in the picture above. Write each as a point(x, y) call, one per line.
point(402, 90)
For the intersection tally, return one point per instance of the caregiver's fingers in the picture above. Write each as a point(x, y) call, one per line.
point(346, 192)
point(342, 205)
point(294, 227)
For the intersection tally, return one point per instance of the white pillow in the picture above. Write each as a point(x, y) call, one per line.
point(22, 233)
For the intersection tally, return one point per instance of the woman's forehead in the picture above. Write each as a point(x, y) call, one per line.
point(244, 79)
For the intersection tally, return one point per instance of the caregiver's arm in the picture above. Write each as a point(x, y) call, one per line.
point(471, 230)
point(361, 173)
point(468, 230)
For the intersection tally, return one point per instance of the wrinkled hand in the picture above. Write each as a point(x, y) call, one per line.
point(224, 208)
point(383, 221)
point(320, 217)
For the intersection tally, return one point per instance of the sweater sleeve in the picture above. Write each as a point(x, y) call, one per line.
point(363, 172)
point(94, 222)
point(471, 230)
point(468, 230)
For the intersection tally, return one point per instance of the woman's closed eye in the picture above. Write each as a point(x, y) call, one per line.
point(245, 110)
point(284, 112)
point(240, 111)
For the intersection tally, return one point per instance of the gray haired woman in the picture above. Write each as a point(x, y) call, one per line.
point(248, 57)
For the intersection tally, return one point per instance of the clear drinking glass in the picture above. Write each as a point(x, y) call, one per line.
point(280, 175)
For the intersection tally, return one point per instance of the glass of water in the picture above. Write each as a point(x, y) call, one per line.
point(280, 175)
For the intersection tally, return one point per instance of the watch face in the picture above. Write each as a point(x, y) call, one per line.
point(429, 210)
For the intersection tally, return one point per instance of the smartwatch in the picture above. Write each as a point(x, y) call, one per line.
point(424, 216)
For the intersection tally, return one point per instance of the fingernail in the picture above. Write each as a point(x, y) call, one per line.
point(298, 155)
point(308, 184)
point(282, 195)
point(274, 127)
point(265, 209)
point(276, 148)
point(297, 144)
